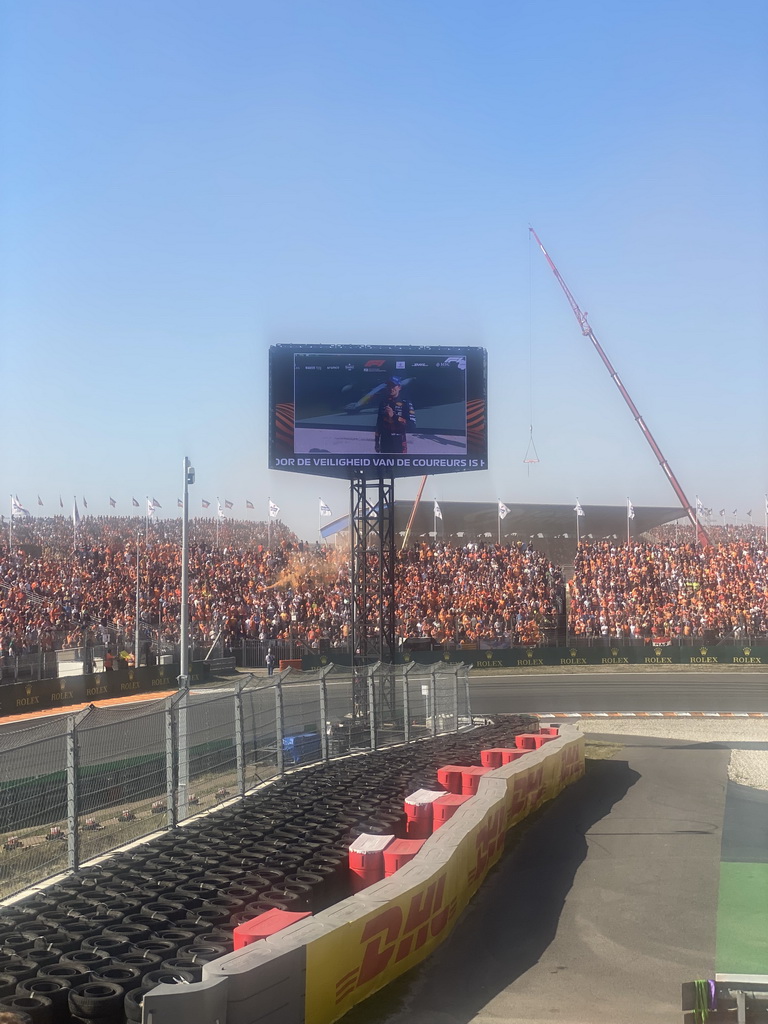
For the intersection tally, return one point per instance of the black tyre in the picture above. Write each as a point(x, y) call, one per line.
point(132, 1004)
point(39, 1009)
point(75, 974)
point(143, 962)
point(55, 989)
point(125, 975)
point(130, 932)
point(165, 977)
point(8, 983)
point(58, 941)
point(96, 999)
point(109, 944)
point(88, 958)
point(185, 963)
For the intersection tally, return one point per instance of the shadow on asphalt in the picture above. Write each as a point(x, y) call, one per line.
point(513, 918)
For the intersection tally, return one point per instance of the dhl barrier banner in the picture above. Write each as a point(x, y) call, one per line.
point(350, 963)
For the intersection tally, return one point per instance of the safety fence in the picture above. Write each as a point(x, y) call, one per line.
point(78, 786)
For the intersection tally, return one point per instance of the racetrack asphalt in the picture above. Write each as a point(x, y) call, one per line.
point(604, 903)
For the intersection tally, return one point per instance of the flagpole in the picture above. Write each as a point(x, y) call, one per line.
point(269, 524)
point(218, 517)
point(578, 531)
point(498, 522)
point(74, 524)
point(10, 530)
point(766, 520)
point(628, 534)
point(136, 651)
point(696, 534)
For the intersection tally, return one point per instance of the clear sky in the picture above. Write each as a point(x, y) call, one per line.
point(182, 185)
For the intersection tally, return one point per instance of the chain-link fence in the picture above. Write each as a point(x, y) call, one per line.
point(78, 786)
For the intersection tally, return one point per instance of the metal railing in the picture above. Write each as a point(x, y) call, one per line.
point(76, 787)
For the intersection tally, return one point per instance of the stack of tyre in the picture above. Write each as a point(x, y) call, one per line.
point(88, 948)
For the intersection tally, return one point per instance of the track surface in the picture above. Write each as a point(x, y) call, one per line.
point(732, 691)
point(607, 903)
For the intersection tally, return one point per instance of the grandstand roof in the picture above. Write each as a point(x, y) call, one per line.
point(473, 519)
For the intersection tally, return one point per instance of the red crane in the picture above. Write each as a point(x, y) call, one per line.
point(701, 534)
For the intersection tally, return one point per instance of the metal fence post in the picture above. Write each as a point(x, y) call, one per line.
point(240, 735)
point(73, 758)
point(455, 671)
point(372, 717)
point(324, 723)
point(466, 686)
point(171, 757)
point(407, 703)
point(279, 725)
point(433, 697)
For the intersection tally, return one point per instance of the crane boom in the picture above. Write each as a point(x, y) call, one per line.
point(701, 534)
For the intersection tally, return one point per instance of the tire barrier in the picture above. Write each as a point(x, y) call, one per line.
point(282, 851)
point(314, 971)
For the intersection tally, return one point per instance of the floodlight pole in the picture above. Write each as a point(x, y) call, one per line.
point(182, 738)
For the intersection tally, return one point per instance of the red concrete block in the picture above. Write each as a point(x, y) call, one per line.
point(445, 808)
point(512, 755)
point(470, 779)
point(491, 758)
point(526, 741)
point(366, 860)
point(400, 852)
point(264, 925)
point(418, 812)
point(449, 777)
point(549, 730)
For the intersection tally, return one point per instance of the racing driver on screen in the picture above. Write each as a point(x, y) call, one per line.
point(395, 417)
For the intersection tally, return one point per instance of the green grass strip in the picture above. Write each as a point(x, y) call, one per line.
point(742, 919)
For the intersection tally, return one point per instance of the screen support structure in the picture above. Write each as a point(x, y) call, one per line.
point(372, 557)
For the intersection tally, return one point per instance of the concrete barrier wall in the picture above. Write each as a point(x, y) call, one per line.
point(316, 970)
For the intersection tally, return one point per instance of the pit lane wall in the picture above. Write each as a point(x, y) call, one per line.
point(318, 969)
point(603, 655)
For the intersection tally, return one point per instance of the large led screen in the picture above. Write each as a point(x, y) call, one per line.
point(338, 410)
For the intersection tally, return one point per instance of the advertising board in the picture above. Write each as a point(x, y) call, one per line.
point(343, 410)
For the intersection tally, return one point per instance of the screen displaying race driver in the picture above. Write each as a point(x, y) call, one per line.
point(338, 410)
point(376, 403)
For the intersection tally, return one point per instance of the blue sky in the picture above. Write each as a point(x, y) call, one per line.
point(183, 185)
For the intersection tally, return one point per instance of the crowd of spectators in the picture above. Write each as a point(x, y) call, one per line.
point(658, 591)
point(257, 581)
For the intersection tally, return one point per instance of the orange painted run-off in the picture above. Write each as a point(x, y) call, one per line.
point(72, 709)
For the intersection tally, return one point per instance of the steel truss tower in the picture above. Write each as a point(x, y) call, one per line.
point(372, 556)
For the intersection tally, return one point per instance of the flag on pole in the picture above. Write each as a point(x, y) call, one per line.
point(273, 510)
point(324, 509)
point(61, 502)
point(150, 507)
point(179, 503)
point(85, 503)
point(734, 512)
point(228, 504)
point(750, 513)
point(503, 510)
point(113, 503)
point(220, 509)
point(722, 512)
point(578, 509)
point(206, 504)
point(75, 514)
point(439, 511)
point(630, 510)
point(135, 503)
point(18, 511)
point(39, 500)
point(156, 503)
point(248, 504)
